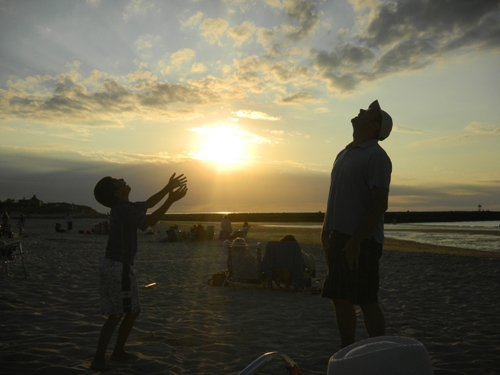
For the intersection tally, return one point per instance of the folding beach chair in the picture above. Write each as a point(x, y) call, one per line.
point(283, 264)
point(388, 355)
point(243, 263)
point(9, 251)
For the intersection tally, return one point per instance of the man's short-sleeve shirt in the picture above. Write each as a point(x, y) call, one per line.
point(356, 171)
point(125, 219)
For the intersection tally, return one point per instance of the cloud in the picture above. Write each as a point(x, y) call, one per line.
point(256, 115)
point(43, 31)
point(198, 68)
point(280, 136)
point(241, 33)
point(448, 25)
point(282, 40)
point(255, 74)
point(213, 29)
point(146, 42)
point(137, 7)
point(73, 182)
point(143, 79)
point(321, 110)
point(359, 5)
point(274, 3)
point(465, 196)
point(305, 12)
point(344, 67)
point(265, 71)
point(297, 98)
point(478, 128)
point(403, 36)
point(193, 21)
point(342, 83)
point(345, 56)
point(70, 101)
point(27, 172)
point(444, 140)
point(233, 130)
point(402, 129)
point(182, 55)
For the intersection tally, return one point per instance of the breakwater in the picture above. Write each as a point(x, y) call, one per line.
point(251, 217)
point(317, 217)
point(440, 216)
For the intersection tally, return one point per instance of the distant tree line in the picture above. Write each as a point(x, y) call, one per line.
point(36, 206)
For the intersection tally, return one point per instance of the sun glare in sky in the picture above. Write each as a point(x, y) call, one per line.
point(225, 146)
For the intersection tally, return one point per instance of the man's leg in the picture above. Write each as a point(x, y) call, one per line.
point(119, 353)
point(346, 321)
point(99, 361)
point(374, 320)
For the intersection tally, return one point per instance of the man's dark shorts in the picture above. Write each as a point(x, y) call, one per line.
point(359, 286)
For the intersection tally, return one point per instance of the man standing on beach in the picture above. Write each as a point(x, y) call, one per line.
point(353, 233)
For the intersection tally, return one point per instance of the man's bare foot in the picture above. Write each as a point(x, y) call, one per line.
point(100, 366)
point(124, 356)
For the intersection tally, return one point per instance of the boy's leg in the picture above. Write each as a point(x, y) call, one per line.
point(119, 353)
point(345, 315)
point(99, 361)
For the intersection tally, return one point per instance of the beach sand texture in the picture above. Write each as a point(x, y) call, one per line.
point(50, 321)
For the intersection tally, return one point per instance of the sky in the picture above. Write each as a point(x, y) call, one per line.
point(250, 99)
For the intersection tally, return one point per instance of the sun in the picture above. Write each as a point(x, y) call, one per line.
point(223, 145)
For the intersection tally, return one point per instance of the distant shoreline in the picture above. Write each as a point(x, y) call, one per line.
point(317, 217)
point(291, 217)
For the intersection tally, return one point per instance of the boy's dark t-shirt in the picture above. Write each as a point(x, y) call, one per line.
point(125, 219)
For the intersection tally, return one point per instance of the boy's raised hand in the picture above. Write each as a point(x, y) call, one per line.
point(175, 182)
point(178, 194)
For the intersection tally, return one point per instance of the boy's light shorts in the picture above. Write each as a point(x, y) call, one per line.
point(118, 288)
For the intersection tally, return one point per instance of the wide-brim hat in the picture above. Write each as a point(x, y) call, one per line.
point(385, 124)
point(383, 355)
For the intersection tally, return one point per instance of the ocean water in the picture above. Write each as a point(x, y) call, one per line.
point(488, 240)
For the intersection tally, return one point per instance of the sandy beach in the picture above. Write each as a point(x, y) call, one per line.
point(444, 297)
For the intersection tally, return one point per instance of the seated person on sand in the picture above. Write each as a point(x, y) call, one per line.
point(241, 232)
point(225, 228)
point(309, 263)
point(172, 235)
point(200, 233)
point(242, 261)
point(181, 235)
point(59, 229)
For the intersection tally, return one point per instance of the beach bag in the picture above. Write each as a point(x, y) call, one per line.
point(217, 279)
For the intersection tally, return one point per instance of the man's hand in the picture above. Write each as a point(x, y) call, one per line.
point(175, 182)
point(178, 194)
point(352, 250)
